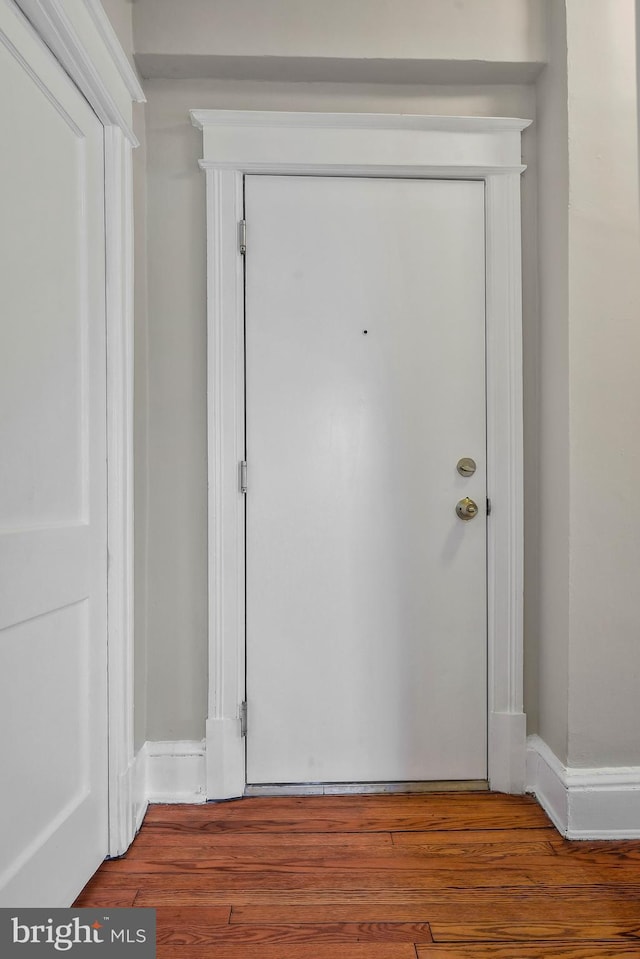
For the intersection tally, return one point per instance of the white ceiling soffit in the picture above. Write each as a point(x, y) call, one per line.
point(334, 69)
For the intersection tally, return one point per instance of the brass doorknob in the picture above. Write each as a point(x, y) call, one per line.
point(466, 508)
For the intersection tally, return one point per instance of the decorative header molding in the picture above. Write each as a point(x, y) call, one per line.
point(357, 121)
point(366, 144)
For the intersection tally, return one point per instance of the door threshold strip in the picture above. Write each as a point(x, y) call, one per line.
point(351, 789)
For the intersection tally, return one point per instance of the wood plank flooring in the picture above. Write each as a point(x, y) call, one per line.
point(433, 876)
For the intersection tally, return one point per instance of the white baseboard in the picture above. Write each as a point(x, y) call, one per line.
point(174, 772)
point(597, 803)
point(546, 779)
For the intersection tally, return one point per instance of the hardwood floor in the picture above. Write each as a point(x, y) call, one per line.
point(436, 876)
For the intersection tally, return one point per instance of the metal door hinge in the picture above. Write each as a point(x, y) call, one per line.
point(243, 476)
point(488, 506)
point(242, 237)
point(243, 718)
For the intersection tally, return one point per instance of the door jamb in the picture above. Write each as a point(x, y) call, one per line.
point(483, 148)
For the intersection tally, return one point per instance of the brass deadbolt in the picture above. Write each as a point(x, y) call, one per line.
point(466, 466)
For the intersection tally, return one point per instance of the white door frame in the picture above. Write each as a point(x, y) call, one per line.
point(321, 144)
point(77, 42)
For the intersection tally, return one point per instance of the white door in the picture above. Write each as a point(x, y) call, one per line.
point(365, 380)
point(53, 555)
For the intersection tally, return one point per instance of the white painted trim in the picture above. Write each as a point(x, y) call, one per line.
point(225, 758)
point(458, 171)
point(54, 27)
point(507, 733)
point(402, 145)
point(175, 772)
point(597, 803)
point(119, 289)
point(225, 391)
point(546, 780)
point(140, 799)
point(274, 119)
point(363, 145)
point(167, 772)
point(119, 57)
point(505, 531)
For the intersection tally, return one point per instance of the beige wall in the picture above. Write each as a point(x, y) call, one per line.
point(120, 14)
point(501, 31)
point(551, 597)
point(589, 656)
point(604, 386)
point(177, 518)
point(176, 507)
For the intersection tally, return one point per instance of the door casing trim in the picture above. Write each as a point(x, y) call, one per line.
point(321, 144)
